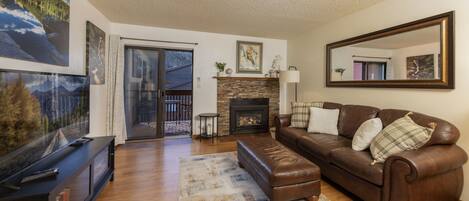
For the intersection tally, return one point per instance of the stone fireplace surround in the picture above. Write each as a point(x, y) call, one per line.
point(245, 87)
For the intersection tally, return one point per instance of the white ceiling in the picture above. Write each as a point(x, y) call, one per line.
point(263, 18)
point(406, 39)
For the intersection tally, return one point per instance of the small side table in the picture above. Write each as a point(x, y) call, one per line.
point(207, 117)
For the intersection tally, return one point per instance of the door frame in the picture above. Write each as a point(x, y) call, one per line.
point(160, 94)
point(192, 82)
point(161, 88)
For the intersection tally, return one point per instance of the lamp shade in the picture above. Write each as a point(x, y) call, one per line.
point(290, 76)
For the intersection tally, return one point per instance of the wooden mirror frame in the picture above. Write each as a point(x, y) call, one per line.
point(446, 22)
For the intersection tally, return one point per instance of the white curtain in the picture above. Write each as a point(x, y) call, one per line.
point(115, 117)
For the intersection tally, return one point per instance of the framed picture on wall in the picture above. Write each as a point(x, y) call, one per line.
point(249, 57)
point(95, 53)
point(35, 31)
point(421, 67)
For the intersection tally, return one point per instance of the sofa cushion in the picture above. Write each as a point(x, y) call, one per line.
point(330, 105)
point(301, 112)
point(444, 133)
point(401, 135)
point(291, 135)
point(365, 134)
point(320, 145)
point(352, 116)
point(358, 164)
point(323, 121)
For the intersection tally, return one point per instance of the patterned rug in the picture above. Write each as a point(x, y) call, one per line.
point(217, 177)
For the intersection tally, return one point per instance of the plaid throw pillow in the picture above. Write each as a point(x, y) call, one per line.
point(300, 114)
point(401, 135)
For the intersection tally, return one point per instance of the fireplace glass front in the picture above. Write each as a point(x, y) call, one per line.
point(249, 115)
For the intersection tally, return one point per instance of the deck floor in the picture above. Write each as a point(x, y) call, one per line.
point(172, 128)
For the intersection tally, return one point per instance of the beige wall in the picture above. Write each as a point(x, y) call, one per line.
point(307, 51)
point(212, 47)
point(98, 93)
point(400, 58)
point(80, 12)
point(343, 58)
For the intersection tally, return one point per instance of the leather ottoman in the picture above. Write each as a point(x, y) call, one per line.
point(280, 173)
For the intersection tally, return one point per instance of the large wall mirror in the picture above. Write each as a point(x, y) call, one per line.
point(419, 54)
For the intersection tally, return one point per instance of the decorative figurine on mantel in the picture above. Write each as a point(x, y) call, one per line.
point(275, 68)
point(228, 72)
point(220, 67)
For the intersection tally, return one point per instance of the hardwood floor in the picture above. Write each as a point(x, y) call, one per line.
point(150, 170)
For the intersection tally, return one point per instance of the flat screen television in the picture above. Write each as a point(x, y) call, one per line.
point(40, 113)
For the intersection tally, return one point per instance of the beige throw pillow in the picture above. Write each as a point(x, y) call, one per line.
point(323, 121)
point(366, 133)
point(300, 113)
point(401, 135)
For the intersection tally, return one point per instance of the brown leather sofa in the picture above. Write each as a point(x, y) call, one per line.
point(431, 173)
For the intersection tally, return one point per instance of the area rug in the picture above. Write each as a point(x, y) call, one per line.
point(217, 177)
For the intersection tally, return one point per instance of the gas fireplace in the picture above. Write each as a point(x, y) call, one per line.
point(249, 115)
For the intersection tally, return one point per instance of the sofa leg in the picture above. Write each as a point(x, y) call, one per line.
point(313, 198)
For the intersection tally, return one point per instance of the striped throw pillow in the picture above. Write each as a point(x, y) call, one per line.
point(300, 113)
point(401, 135)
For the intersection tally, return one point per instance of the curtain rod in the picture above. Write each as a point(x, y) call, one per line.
point(161, 41)
point(372, 57)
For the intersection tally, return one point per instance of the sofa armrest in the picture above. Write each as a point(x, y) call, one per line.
point(429, 161)
point(282, 120)
point(431, 173)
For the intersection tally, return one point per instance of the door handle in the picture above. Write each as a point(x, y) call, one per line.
point(161, 93)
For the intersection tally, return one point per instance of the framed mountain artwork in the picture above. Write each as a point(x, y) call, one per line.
point(35, 31)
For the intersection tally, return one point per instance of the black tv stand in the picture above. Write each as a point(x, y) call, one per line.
point(84, 171)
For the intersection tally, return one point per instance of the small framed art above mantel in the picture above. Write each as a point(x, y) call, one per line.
point(249, 57)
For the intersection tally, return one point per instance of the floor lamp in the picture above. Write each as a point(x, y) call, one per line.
point(291, 76)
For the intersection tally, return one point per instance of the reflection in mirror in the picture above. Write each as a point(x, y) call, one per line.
point(412, 55)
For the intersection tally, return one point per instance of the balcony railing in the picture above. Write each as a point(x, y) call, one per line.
point(178, 117)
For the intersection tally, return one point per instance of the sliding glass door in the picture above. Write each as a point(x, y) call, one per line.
point(178, 93)
point(158, 92)
point(369, 70)
point(143, 84)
